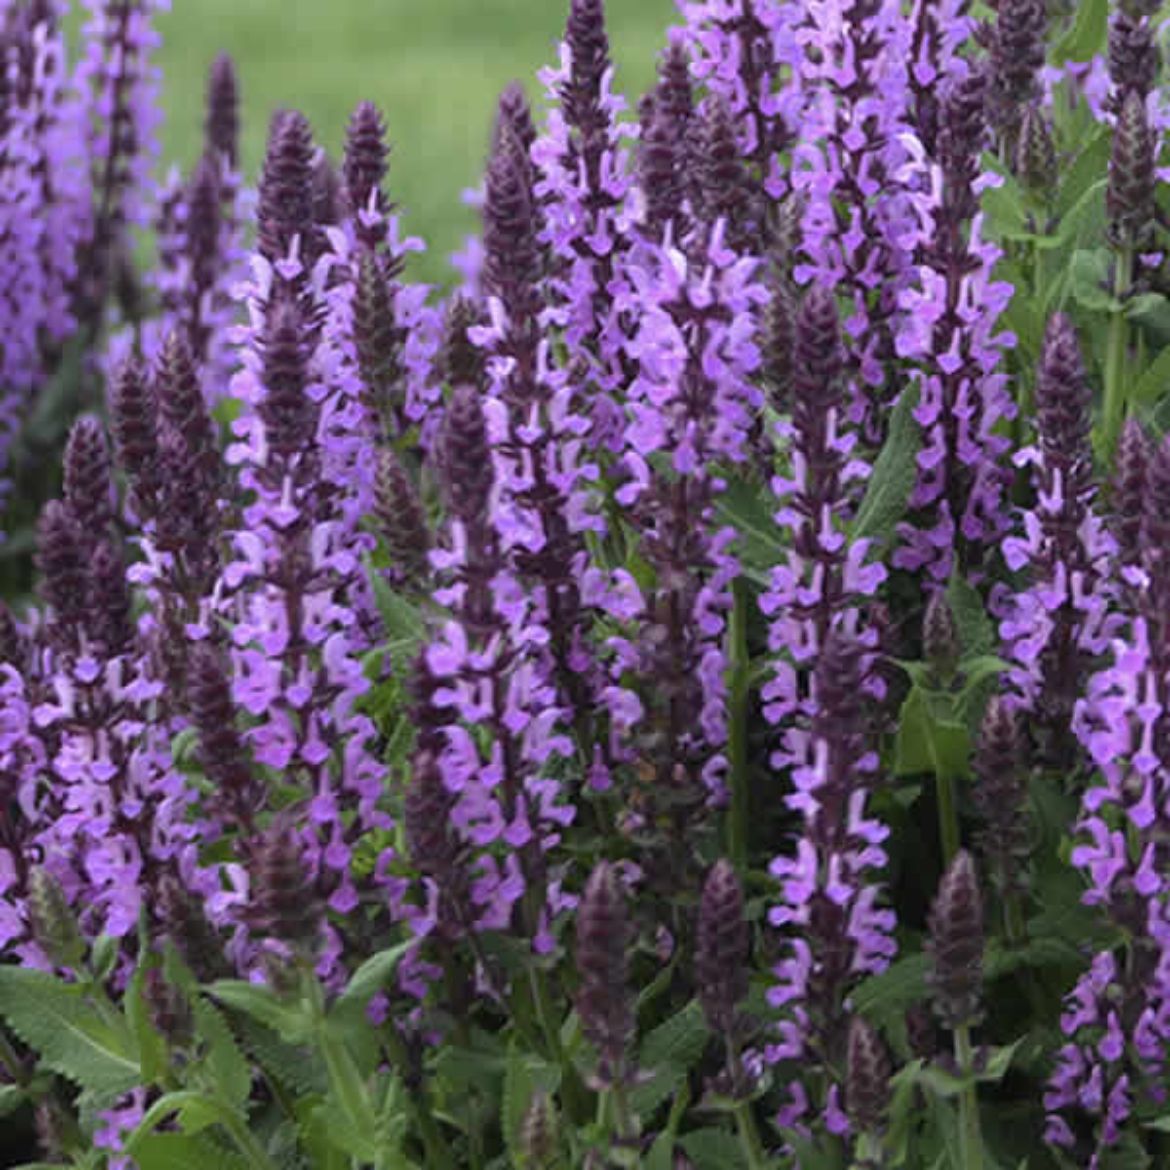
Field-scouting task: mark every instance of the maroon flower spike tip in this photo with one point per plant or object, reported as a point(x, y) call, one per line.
point(11, 642)
point(169, 1009)
point(956, 945)
point(282, 906)
point(377, 337)
point(402, 523)
point(182, 407)
point(1035, 154)
point(940, 637)
point(867, 1083)
point(603, 999)
point(1133, 55)
point(721, 948)
point(465, 461)
point(725, 188)
point(287, 411)
point(222, 127)
point(221, 749)
point(329, 200)
point(61, 563)
point(365, 167)
point(1128, 494)
point(1000, 796)
point(461, 360)
point(88, 486)
point(1064, 406)
point(134, 417)
point(1129, 197)
point(182, 918)
point(660, 168)
point(285, 205)
point(514, 118)
point(108, 620)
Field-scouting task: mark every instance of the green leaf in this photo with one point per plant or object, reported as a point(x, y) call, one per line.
point(976, 633)
point(224, 1060)
point(178, 1151)
point(1089, 281)
point(336, 1126)
point(1084, 181)
point(998, 1063)
point(929, 741)
point(900, 986)
point(194, 1111)
point(405, 628)
point(12, 1097)
point(1087, 35)
point(668, 1054)
point(713, 1149)
point(1155, 382)
point(69, 1033)
point(152, 1047)
point(264, 1005)
point(372, 976)
point(894, 473)
point(748, 508)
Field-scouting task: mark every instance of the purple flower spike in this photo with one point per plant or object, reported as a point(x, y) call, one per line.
point(221, 130)
point(1058, 626)
point(285, 209)
point(721, 948)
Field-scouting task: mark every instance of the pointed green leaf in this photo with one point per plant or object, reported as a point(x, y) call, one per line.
point(894, 473)
point(264, 1005)
point(69, 1033)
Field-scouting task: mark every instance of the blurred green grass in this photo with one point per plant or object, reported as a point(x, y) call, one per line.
point(434, 67)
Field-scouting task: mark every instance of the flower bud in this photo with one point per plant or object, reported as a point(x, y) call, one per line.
point(285, 198)
point(400, 518)
point(1128, 497)
point(461, 361)
point(184, 922)
point(88, 488)
point(378, 339)
point(1035, 155)
point(819, 359)
point(12, 647)
point(288, 413)
point(108, 619)
point(222, 127)
point(281, 904)
point(940, 638)
point(721, 948)
point(169, 1009)
point(364, 170)
point(1129, 197)
point(1000, 796)
point(465, 459)
point(539, 1139)
point(603, 998)
point(134, 414)
point(955, 945)
point(867, 1085)
point(60, 559)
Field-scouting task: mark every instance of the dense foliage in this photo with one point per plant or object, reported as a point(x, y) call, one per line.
point(696, 694)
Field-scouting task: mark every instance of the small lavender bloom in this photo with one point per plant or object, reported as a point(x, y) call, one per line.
point(221, 128)
point(1129, 197)
point(956, 945)
point(721, 948)
point(604, 1002)
point(867, 1082)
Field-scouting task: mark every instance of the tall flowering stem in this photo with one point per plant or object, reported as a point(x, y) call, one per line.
point(487, 669)
point(829, 891)
point(691, 407)
point(1114, 1060)
point(1060, 624)
point(854, 173)
point(949, 334)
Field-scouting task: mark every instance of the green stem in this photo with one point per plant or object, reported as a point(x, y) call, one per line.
point(622, 1127)
point(970, 1137)
point(12, 1062)
point(749, 1136)
point(948, 815)
point(739, 815)
point(1115, 354)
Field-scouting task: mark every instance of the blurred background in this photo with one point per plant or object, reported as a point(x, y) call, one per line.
point(434, 67)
